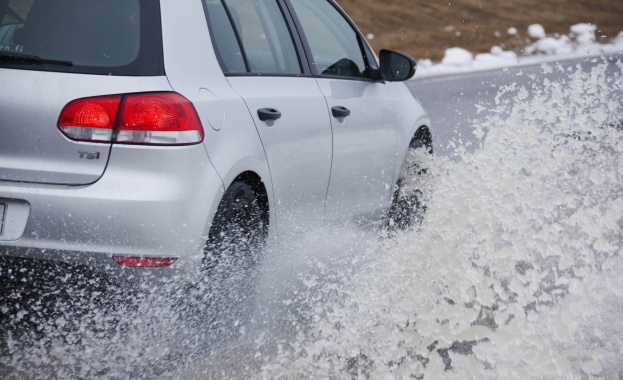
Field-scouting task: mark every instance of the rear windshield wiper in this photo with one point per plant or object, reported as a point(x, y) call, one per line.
point(30, 59)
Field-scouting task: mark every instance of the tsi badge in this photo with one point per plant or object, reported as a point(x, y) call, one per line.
point(89, 155)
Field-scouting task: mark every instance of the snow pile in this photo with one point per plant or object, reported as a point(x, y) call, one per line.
point(584, 33)
point(536, 31)
point(580, 42)
point(457, 57)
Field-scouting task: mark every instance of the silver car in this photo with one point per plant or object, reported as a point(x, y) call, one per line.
point(158, 136)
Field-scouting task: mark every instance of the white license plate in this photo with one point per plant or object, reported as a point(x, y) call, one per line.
point(2, 207)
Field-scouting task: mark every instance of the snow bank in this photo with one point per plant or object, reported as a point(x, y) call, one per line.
point(580, 42)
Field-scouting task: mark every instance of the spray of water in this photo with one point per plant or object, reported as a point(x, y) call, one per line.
point(514, 273)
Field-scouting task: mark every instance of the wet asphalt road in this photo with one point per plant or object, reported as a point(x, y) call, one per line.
point(453, 101)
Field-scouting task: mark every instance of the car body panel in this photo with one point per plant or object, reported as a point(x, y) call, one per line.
point(364, 150)
point(410, 116)
point(298, 145)
point(31, 147)
point(151, 202)
point(231, 139)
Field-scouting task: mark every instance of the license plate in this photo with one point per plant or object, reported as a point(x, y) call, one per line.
point(2, 207)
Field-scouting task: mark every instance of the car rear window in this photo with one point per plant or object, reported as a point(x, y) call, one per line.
point(113, 37)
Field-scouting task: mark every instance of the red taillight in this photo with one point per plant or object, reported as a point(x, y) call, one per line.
point(144, 262)
point(161, 118)
point(164, 118)
point(90, 119)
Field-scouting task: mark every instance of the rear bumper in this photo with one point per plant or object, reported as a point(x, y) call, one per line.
point(150, 202)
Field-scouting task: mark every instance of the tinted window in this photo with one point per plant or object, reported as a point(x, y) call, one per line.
point(333, 42)
point(223, 36)
point(120, 37)
point(266, 42)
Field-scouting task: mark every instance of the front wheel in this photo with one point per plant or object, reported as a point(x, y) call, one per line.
point(408, 208)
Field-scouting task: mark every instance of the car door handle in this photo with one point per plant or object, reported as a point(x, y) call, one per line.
point(268, 114)
point(339, 111)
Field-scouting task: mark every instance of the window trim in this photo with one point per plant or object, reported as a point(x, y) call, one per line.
point(272, 75)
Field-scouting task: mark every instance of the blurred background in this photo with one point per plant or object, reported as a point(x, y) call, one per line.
point(425, 29)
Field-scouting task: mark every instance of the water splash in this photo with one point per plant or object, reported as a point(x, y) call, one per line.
point(514, 272)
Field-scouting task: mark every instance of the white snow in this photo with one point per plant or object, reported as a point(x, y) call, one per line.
point(615, 46)
point(536, 31)
point(584, 33)
point(551, 46)
point(580, 42)
point(457, 57)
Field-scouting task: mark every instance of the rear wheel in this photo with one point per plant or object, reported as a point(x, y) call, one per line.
point(408, 208)
point(232, 254)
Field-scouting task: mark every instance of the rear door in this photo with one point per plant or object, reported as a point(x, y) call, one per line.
point(259, 58)
point(364, 141)
point(55, 51)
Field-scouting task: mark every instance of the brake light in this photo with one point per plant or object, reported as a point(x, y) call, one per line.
point(164, 118)
point(90, 119)
point(144, 262)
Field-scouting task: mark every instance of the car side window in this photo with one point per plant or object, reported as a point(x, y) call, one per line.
point(224, 37)
point(260, 27)
point(333, 42)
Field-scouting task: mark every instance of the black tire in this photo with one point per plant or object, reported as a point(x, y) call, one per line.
point(233, 252)
point(408, 207)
